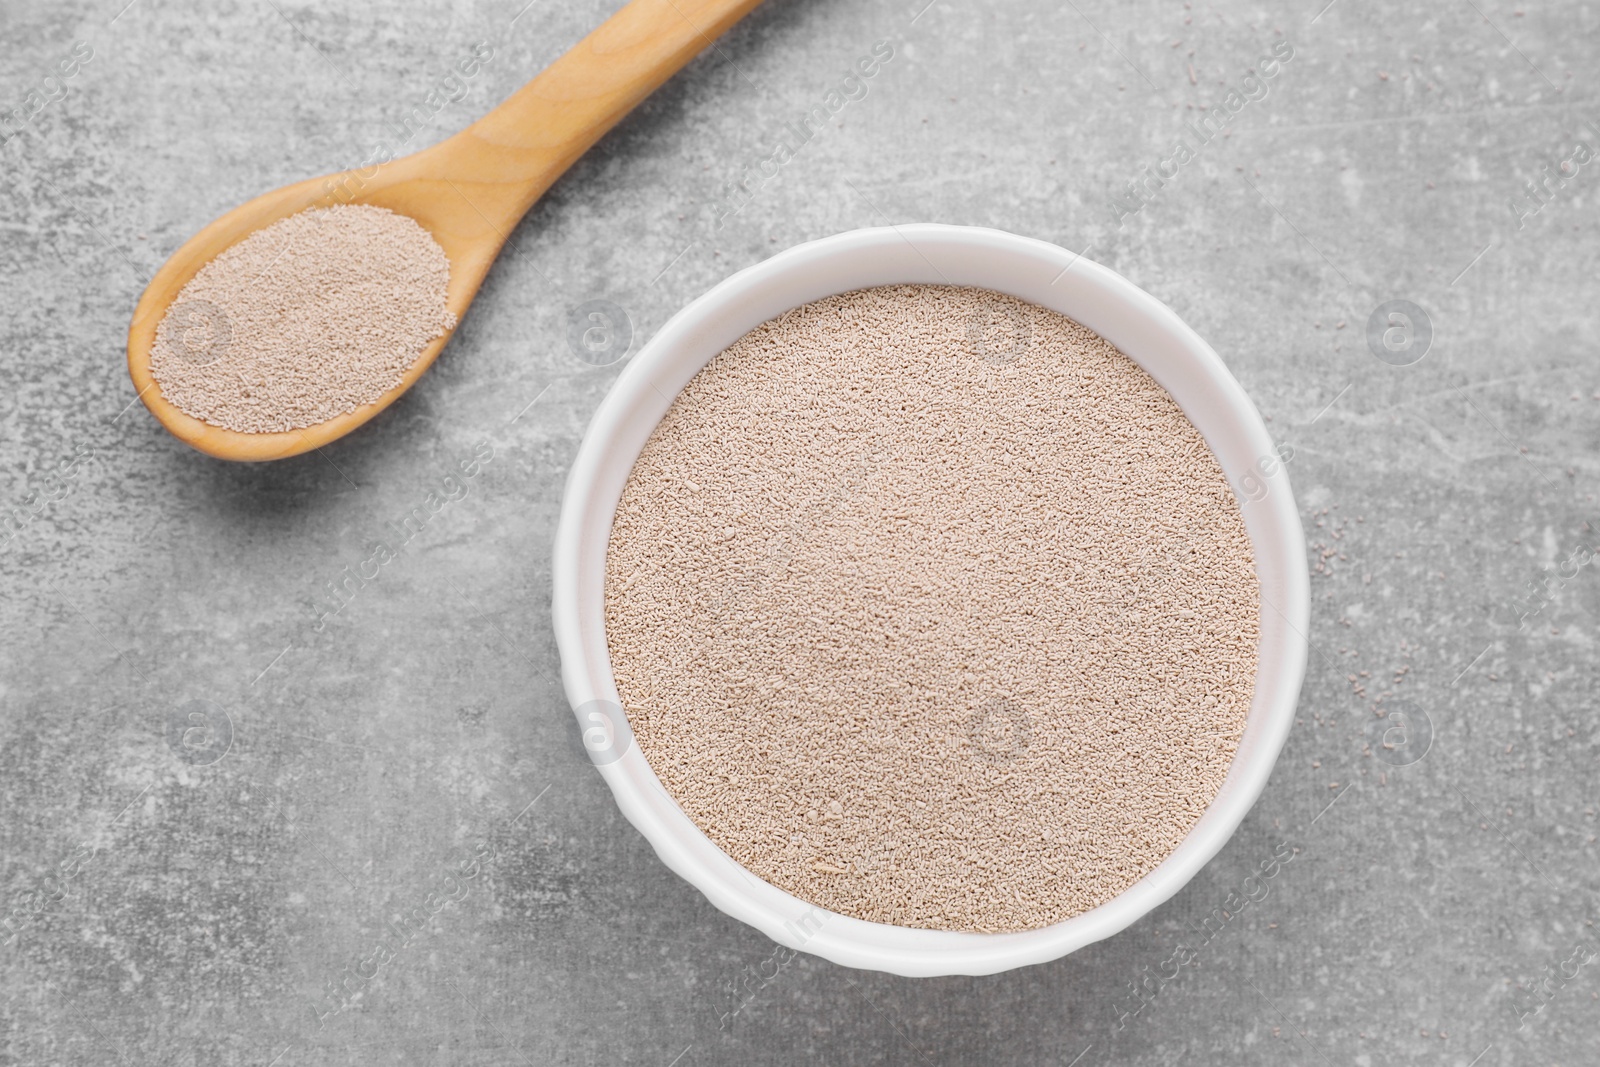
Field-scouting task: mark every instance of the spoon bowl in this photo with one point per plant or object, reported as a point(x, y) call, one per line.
point(468, 191)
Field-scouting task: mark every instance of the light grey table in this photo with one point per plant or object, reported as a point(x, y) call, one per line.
point(167, 902)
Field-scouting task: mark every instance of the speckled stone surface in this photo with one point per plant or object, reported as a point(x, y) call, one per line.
point(248, 820)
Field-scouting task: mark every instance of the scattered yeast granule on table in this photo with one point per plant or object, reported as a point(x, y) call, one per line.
point(932, 608)
point(304, 320)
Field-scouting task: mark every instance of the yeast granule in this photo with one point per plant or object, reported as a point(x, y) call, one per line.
point(932, 608)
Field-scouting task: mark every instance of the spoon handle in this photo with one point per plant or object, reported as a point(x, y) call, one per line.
point(518, 150)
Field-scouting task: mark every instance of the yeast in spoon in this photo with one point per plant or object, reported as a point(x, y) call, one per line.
point(304, 320)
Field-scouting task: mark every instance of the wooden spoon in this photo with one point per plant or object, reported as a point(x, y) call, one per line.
point(469, 192)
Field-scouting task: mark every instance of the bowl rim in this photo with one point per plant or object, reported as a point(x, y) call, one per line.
point(584, 528)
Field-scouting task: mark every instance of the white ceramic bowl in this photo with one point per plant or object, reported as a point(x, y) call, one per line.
point(1135, 322)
